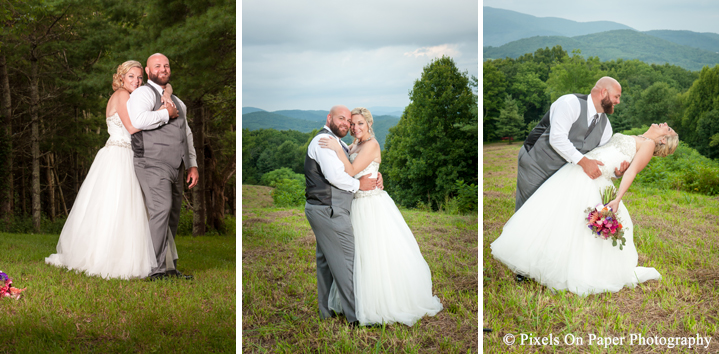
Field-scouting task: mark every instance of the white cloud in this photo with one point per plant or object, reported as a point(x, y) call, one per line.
point(435, 52)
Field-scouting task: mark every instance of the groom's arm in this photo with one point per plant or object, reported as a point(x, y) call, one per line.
point(140, 108)
point(193, 175)
point(562, 115)
point(331, 166)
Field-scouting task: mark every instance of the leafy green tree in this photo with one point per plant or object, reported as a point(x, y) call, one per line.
point(574, 75)
point(529, 91)
point(424, 153)
point(494, 86)
point(510, 122)
point(701, 98)
point(658, 103)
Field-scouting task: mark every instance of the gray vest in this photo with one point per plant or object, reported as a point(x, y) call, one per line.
point(165, 143)
point(539, 149)
point(319, 191)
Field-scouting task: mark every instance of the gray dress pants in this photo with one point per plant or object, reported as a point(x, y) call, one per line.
point(335, 256)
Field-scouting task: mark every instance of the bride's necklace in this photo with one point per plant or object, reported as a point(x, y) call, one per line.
point(362, 141)
point(645, 138)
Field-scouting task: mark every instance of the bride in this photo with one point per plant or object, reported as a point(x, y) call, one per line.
point(548, 240)
point(392, 281)
point(107, 232)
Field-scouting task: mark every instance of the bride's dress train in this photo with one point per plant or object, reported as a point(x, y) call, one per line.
point(392, 281)
point(548, 240)
point(107, 232)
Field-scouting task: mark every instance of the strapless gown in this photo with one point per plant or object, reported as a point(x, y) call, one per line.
point(548, 240)
point(107, 232)
point(393, 282)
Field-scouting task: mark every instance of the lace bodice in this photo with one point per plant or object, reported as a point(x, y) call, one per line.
point(620, 148)
point(119, 136)
point(373, 167)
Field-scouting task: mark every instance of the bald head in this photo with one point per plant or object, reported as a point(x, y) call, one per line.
point(338, 120)
point(155, 57)
point(608, 83)
point(158, 69)
point(606, 94)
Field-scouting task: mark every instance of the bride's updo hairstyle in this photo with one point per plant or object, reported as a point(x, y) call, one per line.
point(664, 150)
point(122, 69)
point(365, 113)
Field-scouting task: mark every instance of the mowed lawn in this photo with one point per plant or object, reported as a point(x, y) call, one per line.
point(675, 232)
point(279, 286)
point(67, 312)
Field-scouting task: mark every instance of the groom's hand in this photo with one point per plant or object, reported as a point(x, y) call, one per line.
point(367, 183)
point(193, 175)
point(591, 167)
point(380, 182)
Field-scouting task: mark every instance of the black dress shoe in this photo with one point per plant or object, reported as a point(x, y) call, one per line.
point(176, 273)
point(353, 325)
point(520, 278)
point(158, 276)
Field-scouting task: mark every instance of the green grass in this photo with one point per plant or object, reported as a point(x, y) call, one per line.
point(63, 311)
point(279, 286)
point(675, 232)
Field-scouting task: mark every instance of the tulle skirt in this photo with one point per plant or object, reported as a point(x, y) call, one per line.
point(548, 240)
point(107, 231)
point(393, 282)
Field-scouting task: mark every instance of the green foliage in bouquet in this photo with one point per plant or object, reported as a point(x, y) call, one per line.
point(604, 222)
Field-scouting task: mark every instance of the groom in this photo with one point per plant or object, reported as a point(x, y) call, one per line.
point(329, 193)
point(574, 125)
point(163, 148)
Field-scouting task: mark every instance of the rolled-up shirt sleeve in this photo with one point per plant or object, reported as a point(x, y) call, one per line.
point(563, 113)
point(140, 106)
point(332, 168)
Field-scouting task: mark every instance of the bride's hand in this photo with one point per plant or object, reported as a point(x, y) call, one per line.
point(614, 205)
point(330, 143)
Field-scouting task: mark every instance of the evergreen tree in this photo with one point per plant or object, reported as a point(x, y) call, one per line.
point(510, 123)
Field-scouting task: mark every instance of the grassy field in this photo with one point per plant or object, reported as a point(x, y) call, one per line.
point(675, 232)
point(66, 312)
point(279, 286)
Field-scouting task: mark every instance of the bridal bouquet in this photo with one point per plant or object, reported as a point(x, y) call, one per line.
point(7, 290)
point(604, 222)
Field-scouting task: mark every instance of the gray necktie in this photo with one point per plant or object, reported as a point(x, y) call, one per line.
point(592, 125)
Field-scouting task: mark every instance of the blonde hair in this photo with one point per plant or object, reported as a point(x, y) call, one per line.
point(122, 69)
point(664, 150)
point(365, 113)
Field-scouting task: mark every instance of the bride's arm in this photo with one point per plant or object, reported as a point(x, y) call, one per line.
point(641, 159)
point(122, 98)
point(363, 159)
point(167, 96)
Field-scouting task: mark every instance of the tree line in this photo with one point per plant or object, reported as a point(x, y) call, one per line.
point(517, 93)
point(57, 58)
point(429, 159)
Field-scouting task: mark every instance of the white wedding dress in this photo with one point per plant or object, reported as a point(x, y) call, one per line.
point(107, 232)
point(548, 239)
point(392, 281)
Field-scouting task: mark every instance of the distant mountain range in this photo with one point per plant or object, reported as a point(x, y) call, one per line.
point(518, 34)
point(503, 26)
point(305, 121)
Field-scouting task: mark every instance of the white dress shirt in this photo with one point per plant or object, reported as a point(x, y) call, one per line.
point(562, 115)
point(331, 165)
point(142, 117)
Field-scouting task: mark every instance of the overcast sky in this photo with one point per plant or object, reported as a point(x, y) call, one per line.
point(642, 15)
point(313, 54)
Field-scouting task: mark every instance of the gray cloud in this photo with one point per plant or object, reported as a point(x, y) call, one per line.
point(312, 55)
